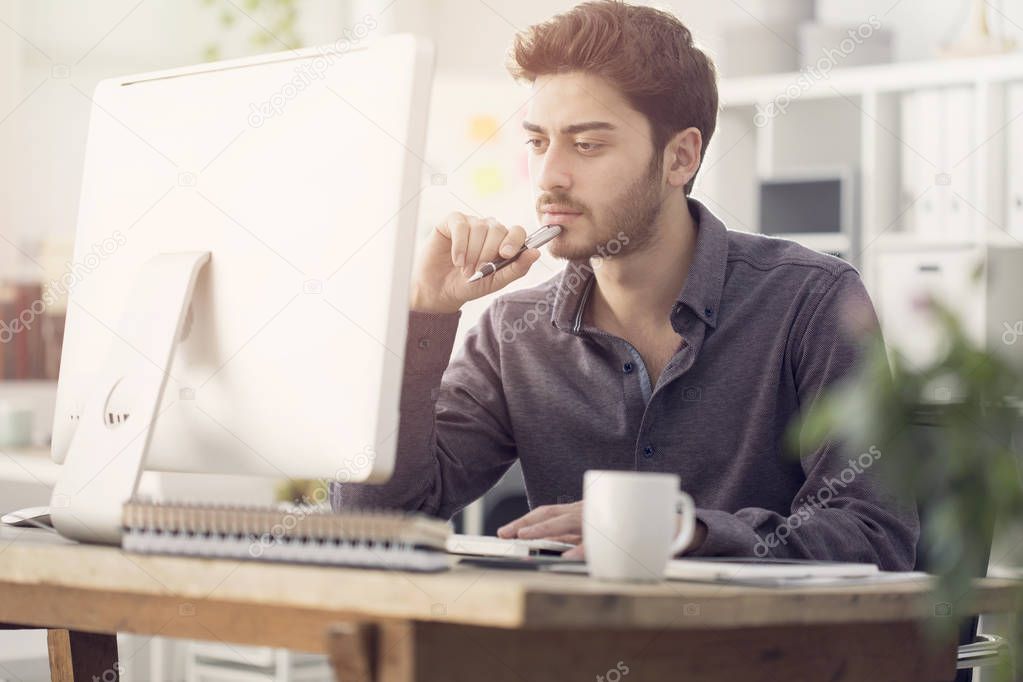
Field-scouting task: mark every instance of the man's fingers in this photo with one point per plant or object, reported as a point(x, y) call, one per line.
point(577, 553)
point(520, 267)
point(571, 538)
point(539, 514)
point(456, 228)
point(477, 235)
point(513, 241)
point(495, 235)
point(559, 525)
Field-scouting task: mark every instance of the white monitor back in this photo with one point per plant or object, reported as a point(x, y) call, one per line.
point(299, 173)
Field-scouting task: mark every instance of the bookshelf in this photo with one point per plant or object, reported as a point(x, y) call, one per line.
point(860, 118)
point(31, 332)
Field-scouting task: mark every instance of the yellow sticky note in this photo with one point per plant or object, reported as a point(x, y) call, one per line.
point(482, 127)
point(487, 180)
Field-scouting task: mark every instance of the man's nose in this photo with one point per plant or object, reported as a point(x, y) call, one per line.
point(555, 173)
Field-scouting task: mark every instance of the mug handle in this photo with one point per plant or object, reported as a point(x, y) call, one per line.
point(685, 535)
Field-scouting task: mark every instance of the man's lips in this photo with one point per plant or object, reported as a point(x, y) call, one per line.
point(555, 214)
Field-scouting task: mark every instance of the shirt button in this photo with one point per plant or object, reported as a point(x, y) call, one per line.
point(709, 312)
point(648, 451)
point(424, 343)
point(627, 368)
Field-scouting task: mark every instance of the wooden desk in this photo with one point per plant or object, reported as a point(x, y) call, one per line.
point(471, 623)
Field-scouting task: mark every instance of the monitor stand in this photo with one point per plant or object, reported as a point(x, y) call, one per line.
point(107, 452)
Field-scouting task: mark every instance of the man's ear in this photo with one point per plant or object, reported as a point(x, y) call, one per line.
point(683, 154)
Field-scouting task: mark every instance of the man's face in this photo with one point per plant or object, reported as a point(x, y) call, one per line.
point(592, 166)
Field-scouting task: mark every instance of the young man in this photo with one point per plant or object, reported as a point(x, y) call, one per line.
point(669, 343)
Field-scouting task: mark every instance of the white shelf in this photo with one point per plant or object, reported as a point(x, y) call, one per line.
point(28, 385)
point(900, 240)
point(879, 78)
point(821, 241)
point(859, 118)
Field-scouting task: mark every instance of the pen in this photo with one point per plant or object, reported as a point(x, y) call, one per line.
point(533, 241)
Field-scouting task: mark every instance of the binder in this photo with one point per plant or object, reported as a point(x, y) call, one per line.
point(938, 164)
point(921, 163)
point(9, 331)
point(958, 199)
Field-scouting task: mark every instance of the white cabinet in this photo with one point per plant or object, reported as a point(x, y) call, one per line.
point(979, 283)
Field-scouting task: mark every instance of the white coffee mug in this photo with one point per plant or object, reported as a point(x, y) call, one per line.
point(629, 523)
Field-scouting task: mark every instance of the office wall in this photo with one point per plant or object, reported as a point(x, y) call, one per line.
point(473, 91)
point(473, 36)
point(53, 52)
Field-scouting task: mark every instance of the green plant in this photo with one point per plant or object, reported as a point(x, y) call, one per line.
point(963, 471)
point(270, 23)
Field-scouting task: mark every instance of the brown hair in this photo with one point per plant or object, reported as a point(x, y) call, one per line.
point(646, 53)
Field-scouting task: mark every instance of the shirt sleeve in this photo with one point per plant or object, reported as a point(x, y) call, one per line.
point(843, 512)
point(454, 439)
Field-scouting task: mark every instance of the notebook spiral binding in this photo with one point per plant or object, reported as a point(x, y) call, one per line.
point(365, 538)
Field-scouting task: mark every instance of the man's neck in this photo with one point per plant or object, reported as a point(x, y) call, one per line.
point(638, 289)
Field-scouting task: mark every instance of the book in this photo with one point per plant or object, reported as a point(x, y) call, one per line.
point(10, 327)
point(53, 341)
point(369, 539)
point(28, 343)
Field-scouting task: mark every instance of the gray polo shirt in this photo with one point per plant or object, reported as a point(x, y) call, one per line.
point(761, 332)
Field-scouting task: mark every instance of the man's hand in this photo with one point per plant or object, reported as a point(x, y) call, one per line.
point(455, 250)
point(564, 523)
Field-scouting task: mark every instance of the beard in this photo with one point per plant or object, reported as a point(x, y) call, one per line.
point(627, 226)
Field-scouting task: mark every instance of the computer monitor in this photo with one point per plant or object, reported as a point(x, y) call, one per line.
point(243, 254)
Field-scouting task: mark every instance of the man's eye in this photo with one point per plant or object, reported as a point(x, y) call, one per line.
point(534, 142)
point(588, 146)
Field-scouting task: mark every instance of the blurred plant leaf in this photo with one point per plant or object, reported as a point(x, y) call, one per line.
point(268, 22)
point(964, 470)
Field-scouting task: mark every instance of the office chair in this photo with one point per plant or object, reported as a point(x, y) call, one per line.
point(975, 650)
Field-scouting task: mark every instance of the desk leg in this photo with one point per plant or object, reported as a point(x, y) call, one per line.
point(82, 656)
point(414, 651)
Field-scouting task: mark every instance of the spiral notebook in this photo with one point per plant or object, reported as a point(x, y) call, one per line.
point(368, 539)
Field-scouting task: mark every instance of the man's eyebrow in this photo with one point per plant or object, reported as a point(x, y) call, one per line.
point(572, 129)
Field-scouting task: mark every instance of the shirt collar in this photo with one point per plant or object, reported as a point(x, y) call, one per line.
point(701, 292)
